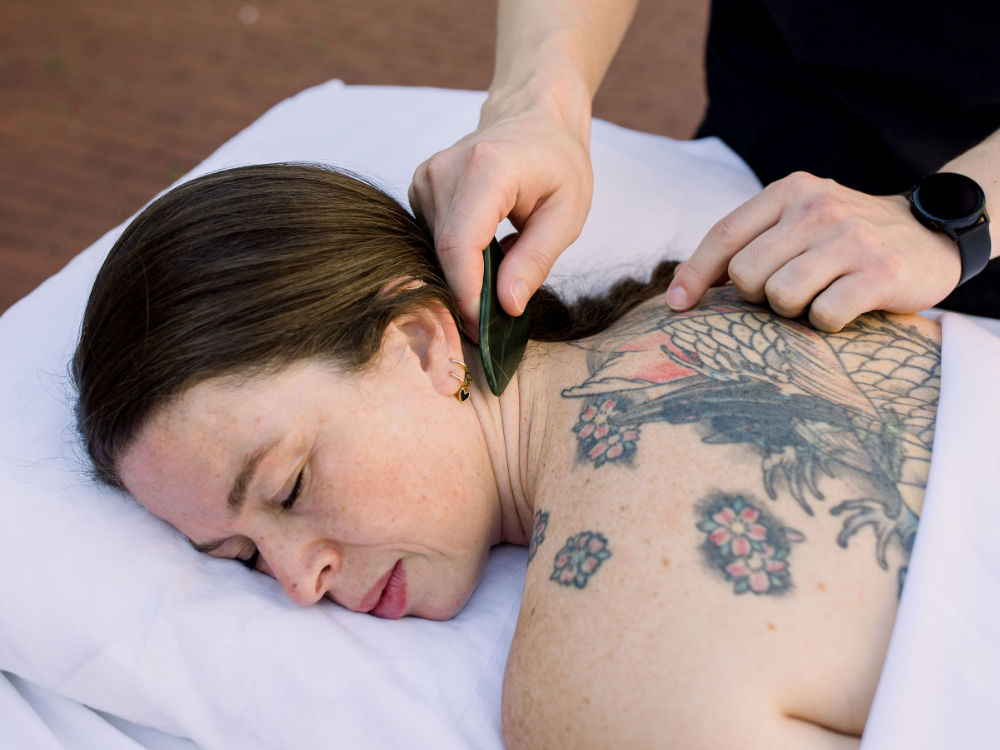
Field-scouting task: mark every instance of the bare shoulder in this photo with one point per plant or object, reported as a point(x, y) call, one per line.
point(723, 531)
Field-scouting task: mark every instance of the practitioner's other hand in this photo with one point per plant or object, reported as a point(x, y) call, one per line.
point(809, 244)
point(526, 163)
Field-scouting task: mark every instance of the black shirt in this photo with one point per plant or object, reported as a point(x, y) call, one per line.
point(874, 95)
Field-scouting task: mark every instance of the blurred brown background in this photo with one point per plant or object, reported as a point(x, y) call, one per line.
point(104, 103)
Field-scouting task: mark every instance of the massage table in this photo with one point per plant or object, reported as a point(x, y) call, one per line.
point(115, 633)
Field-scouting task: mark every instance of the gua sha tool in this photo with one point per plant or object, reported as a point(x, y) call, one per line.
point(502, 337)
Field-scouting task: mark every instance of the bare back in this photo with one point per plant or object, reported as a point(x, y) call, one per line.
point(724, 515)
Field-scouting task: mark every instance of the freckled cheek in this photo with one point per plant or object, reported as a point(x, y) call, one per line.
point(377, 495)
point(362, 507)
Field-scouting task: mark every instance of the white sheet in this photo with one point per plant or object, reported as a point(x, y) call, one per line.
point(939, 687)
point(107, 606)
point(33, 718)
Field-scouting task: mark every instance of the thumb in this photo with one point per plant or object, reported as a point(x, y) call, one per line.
point(530, 256)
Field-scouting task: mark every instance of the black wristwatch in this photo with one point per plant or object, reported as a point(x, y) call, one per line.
point(956, 205)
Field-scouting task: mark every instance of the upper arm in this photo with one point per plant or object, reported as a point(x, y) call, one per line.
point(609, 655)
point(553, 705)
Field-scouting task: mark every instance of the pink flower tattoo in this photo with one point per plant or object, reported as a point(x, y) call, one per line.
point(747, 544)
point(579, 559)
point(601, 440)
point(538, 527)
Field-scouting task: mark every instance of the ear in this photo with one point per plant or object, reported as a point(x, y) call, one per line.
point(430, 334)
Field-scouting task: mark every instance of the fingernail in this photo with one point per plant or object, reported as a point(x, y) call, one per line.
point(519, 291)
point(677, 298)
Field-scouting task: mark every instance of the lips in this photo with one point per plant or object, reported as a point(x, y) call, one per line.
point(375, 593)
point(391, 603)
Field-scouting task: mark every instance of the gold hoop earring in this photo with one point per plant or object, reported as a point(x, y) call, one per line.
point(462, 394)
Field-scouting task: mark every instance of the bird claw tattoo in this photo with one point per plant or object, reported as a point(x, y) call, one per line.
point(798, 466)
point(888, 523)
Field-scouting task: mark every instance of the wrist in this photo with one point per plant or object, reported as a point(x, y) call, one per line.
point(561, 99)
point(982, 164)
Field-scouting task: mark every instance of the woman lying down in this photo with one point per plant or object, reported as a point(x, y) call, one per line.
point(719, 505)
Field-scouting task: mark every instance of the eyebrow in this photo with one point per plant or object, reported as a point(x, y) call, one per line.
point(238, 492)
point(237, 496)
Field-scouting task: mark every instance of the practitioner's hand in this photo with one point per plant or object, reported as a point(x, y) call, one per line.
point(531, 166)
point(805, 243)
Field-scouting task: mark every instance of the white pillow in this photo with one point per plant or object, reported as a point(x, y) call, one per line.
point(105, 604)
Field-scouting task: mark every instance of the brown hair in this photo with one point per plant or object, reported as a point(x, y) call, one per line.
point(251, 269)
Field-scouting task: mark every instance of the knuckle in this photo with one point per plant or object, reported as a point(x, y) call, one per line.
point(435, 170)
point(800, 181)
point(484, 155)
point(741, 273)
point(739, 269)
point(888, 266)
point(536, 264)
point(827, 208)
point(805, 186)
point(782, 297)
point(447, 246)
point(824, 317)
point(723, 232)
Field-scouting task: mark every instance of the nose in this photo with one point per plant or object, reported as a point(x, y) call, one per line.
point(304, 572)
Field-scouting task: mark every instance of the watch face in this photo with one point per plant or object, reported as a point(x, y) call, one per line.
point(949, 197)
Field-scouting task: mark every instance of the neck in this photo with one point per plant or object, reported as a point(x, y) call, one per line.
point(512, 426)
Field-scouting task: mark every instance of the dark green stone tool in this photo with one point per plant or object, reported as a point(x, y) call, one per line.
point(502, 337)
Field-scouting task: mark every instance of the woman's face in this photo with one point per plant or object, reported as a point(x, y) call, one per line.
point(372, 489)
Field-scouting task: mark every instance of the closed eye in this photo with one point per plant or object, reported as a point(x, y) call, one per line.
point(289, 501)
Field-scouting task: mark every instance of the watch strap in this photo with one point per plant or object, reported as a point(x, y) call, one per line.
point(974, 247)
